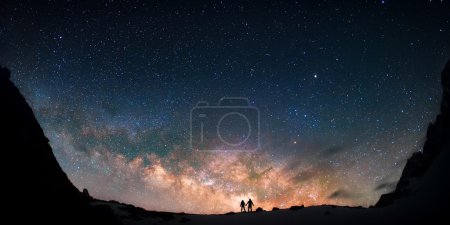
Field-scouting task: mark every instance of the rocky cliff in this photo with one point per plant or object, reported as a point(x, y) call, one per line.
point(33, 182)
point(437, 141)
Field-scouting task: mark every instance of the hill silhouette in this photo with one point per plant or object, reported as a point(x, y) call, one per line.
point(34, 181)
point(438, 134)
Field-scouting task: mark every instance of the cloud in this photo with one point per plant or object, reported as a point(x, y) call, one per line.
point(303, 176)
point(341, 194)
point(333, 150)
point(389, 186)
point(79, 146)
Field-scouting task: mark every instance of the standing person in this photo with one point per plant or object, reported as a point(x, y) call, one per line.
point(242, 205)
point(250, 204)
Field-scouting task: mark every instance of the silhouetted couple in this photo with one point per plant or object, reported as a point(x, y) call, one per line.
point(249, 205)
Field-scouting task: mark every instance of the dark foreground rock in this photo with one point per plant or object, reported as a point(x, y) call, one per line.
point(437, 140)
point(32, 177)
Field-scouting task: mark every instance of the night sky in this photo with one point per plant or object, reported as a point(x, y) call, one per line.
point(345, 91)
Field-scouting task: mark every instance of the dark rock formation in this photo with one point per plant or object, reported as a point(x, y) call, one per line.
point(275, 209)
point(33, 179)
point(86, 195)
point(259, 209)
point(297, 207)
point(437, 140)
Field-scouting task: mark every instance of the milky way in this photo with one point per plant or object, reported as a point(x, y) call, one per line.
point(344, 90)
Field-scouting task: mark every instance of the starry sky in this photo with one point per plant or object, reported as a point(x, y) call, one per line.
point(345, 91)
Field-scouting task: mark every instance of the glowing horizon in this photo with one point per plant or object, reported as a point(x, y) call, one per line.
point(214, 182)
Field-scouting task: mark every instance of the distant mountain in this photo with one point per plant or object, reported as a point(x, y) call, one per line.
point(33, 182)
